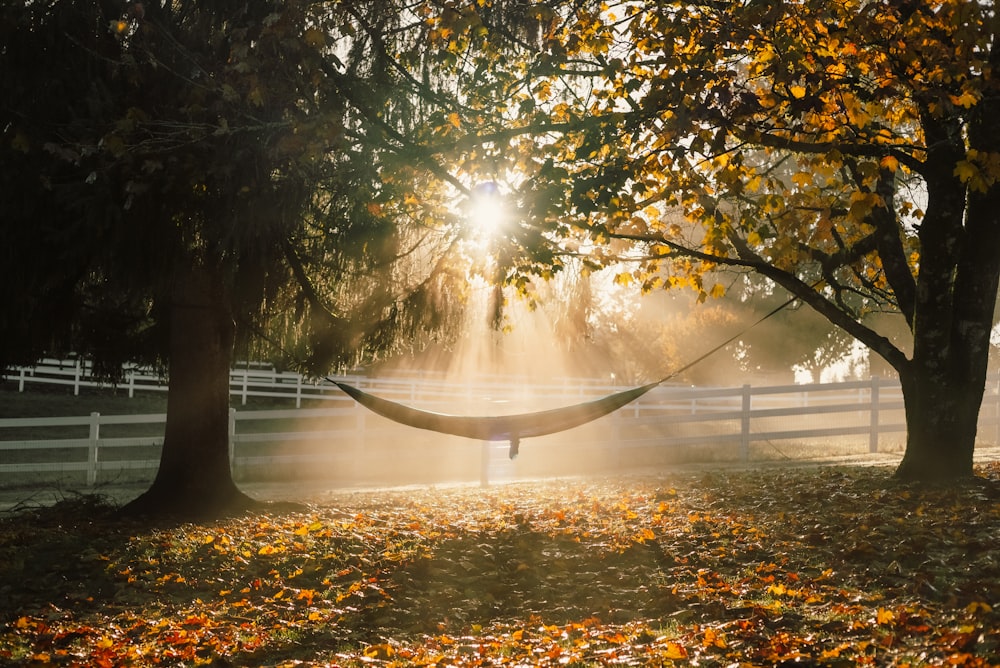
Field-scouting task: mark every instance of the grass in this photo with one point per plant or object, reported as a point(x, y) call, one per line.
point(804, 566)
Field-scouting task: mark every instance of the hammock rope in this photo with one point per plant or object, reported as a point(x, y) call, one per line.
point(513, 428)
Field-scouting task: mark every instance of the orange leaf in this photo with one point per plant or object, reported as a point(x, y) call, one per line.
point(884, 617)
point(889, 162)
point(675, 651)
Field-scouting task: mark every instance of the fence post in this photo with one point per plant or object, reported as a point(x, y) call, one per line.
point(360, 462)
point(246, 378)
point(996, 415)
point(20, 385)
point(76, 380)
point(484, 463)
point(232, 439)
point(615, 420)
point(131, 384)
point(745, 426)
point(298, 390)
point(95, 435)
point(873, 428)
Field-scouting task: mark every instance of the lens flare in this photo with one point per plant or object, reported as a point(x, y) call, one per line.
point(487, 212)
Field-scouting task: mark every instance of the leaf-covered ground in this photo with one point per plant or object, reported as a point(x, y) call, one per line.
point(826, 566)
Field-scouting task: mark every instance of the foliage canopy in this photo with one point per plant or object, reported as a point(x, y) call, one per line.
point(843, 150)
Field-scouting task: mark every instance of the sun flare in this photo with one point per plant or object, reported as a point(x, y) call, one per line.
point(487, 212)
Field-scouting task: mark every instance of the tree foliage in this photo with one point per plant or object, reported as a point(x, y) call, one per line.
point(200, 178)
point(266, 140)
point(842, 150)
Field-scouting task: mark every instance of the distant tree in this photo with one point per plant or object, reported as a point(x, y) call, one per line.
point(185, 180)
point(847, 151)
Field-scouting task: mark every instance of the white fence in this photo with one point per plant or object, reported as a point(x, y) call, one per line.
point(252, 380)
point(343, 439)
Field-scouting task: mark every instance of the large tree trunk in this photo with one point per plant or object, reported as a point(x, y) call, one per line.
point(941, 421)
point(194, 478)
point(944, 382)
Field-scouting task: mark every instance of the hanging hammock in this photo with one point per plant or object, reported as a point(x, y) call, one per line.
point(502, 427)
point(524, 425)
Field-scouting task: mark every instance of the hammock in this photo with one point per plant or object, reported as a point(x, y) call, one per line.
point(500, 428)
point(525, 425)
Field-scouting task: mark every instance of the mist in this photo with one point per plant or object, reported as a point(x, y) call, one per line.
point(579, 337)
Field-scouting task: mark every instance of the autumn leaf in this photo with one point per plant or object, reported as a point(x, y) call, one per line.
point(674, 650)
point(744, 565)
point(966, 170)
point(889, 162)
point(884, 617)
point(966, 99)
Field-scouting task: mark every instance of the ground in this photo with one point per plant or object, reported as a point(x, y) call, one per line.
point(806, 565)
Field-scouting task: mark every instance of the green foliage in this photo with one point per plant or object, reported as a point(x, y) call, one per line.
point(814, 566)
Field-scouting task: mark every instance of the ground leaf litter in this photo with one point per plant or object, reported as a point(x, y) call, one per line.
point(797, 566)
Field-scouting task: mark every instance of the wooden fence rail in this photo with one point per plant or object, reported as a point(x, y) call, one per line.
point(248, 381)
point(343, 437)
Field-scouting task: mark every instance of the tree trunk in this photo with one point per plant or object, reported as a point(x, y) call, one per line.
point(944, 383)
point(941, 421)
point(194, 479)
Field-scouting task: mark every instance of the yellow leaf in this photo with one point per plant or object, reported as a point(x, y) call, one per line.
point(965, 170)
point(884, 617)
point(454, 120)
point(966, 100)
point(713, 638)
point(798, 92)
point(644, 535)
point(978, 606)
point(802, 179)
point(889, 162)
point(383, 651)
point(675, 651)
point(270, 549)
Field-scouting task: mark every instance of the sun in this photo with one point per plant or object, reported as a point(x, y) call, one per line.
point(487, 212)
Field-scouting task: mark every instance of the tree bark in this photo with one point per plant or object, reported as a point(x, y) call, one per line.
point(941, 422)
point(194, 479)
point(944, 382)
